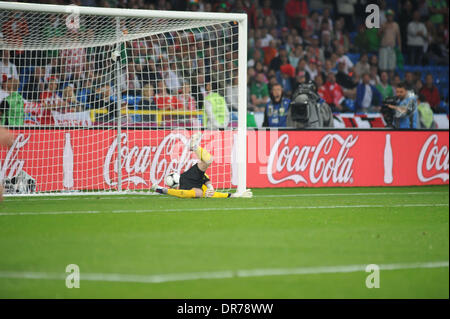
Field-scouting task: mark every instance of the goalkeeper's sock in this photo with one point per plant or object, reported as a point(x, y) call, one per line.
point(221, 195)
point(182, 193)
point(203, 155)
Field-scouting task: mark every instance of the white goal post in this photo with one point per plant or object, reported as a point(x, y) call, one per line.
point(104, 100)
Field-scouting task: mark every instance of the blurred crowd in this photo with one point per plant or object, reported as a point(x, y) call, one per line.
point(290, 42)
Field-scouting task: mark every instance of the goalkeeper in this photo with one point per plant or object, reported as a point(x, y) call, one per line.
point(194, 182)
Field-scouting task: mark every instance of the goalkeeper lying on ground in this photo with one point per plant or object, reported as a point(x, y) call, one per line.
point(194, 182)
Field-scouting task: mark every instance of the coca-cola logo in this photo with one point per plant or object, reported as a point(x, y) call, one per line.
point(12, 165)
point(432, 157)
point(322, 166)
point(162, 159)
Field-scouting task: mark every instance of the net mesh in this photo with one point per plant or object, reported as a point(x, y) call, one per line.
point(83, 93)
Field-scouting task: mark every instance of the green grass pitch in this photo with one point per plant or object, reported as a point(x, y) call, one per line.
point(282, 243)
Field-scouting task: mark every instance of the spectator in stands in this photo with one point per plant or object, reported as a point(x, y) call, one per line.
point(373, 60)
point(425, 112)
point(321, 89)
point(277, 108)
point(297, 12)
point(51, 98)
point(406, 114)
point(170, 76)
point(6, 66)
point(259, 92)
point(339, 35)
point(317, 51)
point(147, 103)
point(409, 81)
point(384, 87)
point(149, 72)
point(348, 64)
point(335, 94)
point(431, 93)
point(74, 59)
point(327, 68)
point(32, 89)
point(368, 98)
point(418, 86)
point(11, 104)
point(186, 101)
point(390, 40)
point(270, 52)
point(346, 82)
point(296, 54)
point(70, 100)
point(396, 81)
point(105, 99)
point(417, 39)
point(302, 77)
point(286, 78)
point(374, 78)
point(312, 69)
point(362, 66)
point(279, 60)
point(163, 98)
point(130, 83)
point(258, 56)
point(325, 20)
point(216, 113)
point(327, 45)
point(313, 22)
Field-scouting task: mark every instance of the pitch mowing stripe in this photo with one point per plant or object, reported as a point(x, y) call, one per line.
point(59, 197)
point(162, 278)
point(163, 210)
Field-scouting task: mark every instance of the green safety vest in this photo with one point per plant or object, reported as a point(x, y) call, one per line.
point(218, 108)
point(15, 114)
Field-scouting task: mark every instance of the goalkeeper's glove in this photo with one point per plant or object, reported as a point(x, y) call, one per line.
point(209, 190)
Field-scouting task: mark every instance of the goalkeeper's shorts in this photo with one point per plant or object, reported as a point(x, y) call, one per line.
point(193, 178)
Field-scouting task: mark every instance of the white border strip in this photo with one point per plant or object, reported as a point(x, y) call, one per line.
point(162, 278)
point(207, 209)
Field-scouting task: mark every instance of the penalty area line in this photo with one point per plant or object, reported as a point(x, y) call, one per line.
point(227, 274)
point(206, 209)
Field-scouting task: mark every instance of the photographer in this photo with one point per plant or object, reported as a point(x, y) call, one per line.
point(406, 115)
point(308, 109)
point(277, 108)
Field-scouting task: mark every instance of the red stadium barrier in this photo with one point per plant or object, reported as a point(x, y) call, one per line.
point(348, 158)
point(275, 158)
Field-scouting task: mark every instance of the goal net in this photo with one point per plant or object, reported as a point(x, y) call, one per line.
point(105, 100)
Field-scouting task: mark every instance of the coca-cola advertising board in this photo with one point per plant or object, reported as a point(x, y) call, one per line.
point(79, 159)
point(347, 158)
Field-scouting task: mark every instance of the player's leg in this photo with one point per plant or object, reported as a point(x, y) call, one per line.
point(181, 193)
point(205, 157)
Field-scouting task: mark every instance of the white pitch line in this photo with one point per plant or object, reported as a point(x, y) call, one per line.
point(142, 196)
point(163, 210)
point(161, 278)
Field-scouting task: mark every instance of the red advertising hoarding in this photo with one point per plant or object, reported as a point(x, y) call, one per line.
point(82, 159)
point(347, 158)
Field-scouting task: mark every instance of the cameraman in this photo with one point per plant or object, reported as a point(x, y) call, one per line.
point(277, 108)
point(405, 115)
